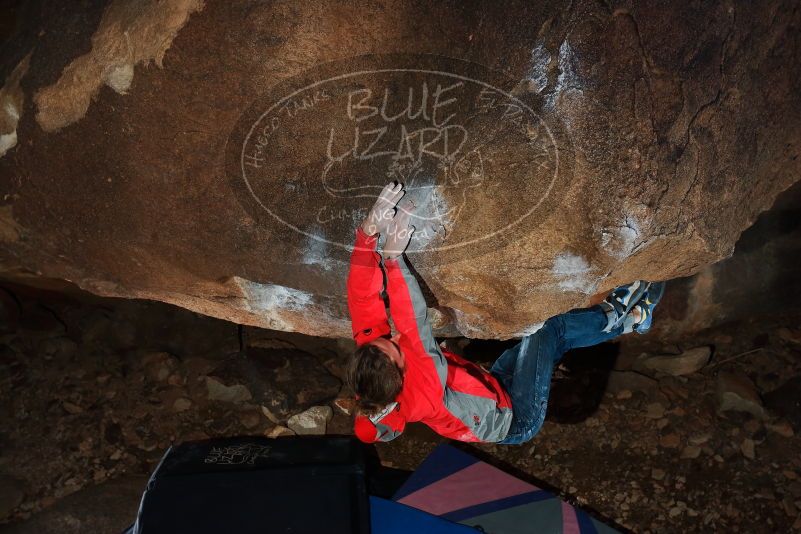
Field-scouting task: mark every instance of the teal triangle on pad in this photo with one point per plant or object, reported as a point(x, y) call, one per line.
point(542, 517)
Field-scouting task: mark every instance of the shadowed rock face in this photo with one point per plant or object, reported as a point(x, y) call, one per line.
point(760, 280)
point(220, 156)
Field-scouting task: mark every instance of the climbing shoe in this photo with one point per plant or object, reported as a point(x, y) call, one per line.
point(646, 307)
point(620, 302)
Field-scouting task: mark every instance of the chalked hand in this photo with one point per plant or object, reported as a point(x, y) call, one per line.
point(383, 210)
point(399, 232)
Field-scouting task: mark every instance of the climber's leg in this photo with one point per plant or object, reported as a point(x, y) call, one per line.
point(525, 370)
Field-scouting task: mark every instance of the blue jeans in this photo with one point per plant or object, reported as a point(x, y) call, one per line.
point(525, 369)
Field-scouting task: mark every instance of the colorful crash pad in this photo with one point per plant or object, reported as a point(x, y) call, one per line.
point(460, 488)
point(388, 517)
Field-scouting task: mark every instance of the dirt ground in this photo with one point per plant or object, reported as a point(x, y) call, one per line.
point(94, 390)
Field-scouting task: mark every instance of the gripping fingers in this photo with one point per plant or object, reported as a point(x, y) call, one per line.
point(392, 193)
point(383, 211)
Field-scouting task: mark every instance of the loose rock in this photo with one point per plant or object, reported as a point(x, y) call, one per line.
point(685, 363)
point(691, 452)
point(670, 441)
point(278, 431)
point(218, 391)
point(791, 336)
point(311, 422)
point(654, 411)
point(629, 380)
point(159, 365)
point(747, 447)
point(71, 408)
point(737, 393)
point(699, 439)
point(781, 428)
point(345, 404)
point(181, 404)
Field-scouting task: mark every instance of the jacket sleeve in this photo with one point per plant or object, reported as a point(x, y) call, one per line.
point(384, 426)
point(410, 315)
point(365, 281)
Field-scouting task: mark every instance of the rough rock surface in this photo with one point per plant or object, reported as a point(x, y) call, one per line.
point(686, 363)
point(12, 491)
point(607, 143)
point(107, 507)
point(760, 279)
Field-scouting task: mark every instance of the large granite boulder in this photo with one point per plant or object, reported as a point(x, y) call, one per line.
point(219, 155)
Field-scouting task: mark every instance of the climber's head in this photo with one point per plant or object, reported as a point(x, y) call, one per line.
point(375, 373)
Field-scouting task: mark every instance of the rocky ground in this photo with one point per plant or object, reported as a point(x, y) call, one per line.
point(702, 437)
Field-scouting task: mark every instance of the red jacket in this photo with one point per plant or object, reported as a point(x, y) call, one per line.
point(456, 398)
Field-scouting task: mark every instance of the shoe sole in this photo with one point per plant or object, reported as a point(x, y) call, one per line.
point(660, 291)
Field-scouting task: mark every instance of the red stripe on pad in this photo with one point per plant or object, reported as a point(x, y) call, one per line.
point(475, 484)
point(570, 523)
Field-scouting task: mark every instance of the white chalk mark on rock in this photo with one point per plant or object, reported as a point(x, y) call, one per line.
point(574, 273)
point(623, 240)
point(537, 75)
point(315, 251)
point(119, 77)
point(568, 79)
point(268, 297)
point(280, 306)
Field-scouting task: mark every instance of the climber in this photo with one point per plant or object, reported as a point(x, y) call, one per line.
point(408, 377)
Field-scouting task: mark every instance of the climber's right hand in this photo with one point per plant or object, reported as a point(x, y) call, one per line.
point(383, 210)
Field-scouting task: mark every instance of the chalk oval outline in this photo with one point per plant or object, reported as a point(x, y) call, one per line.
point(405, 70)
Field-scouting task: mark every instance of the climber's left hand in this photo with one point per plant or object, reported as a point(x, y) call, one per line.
point(399, 232)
